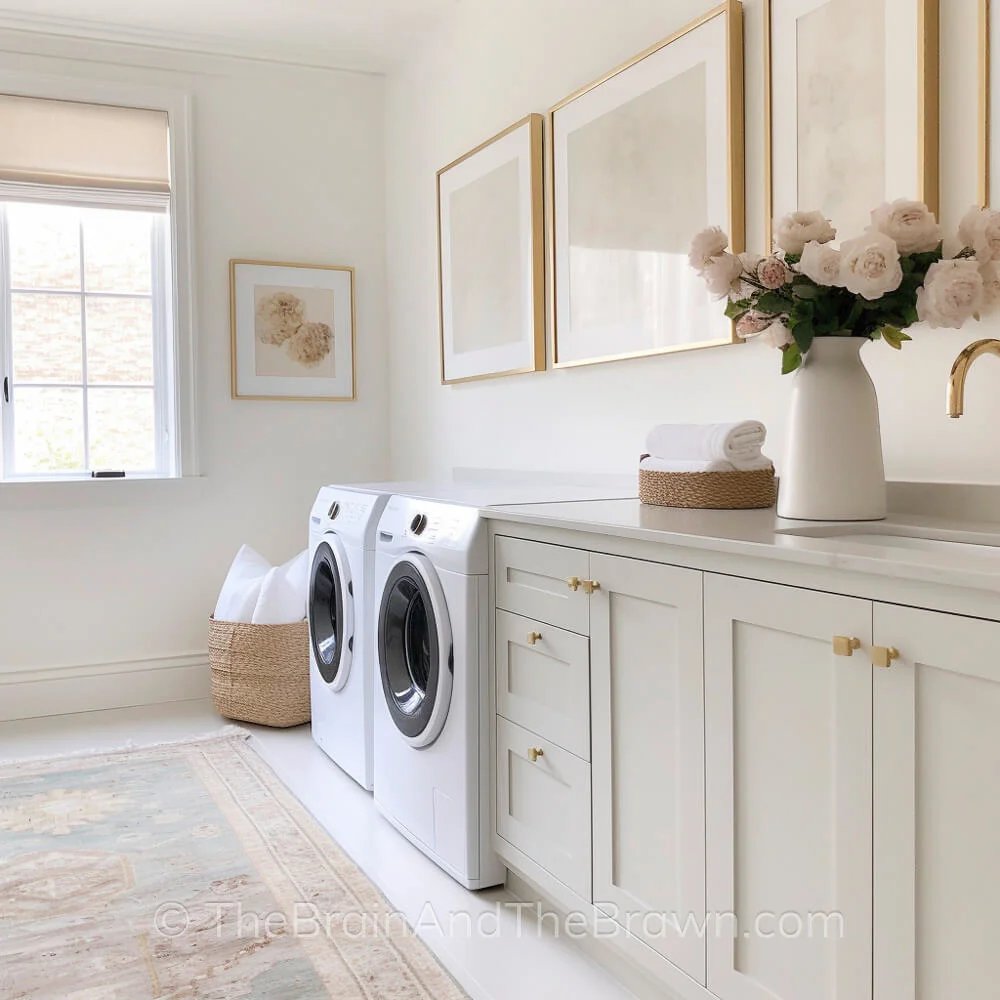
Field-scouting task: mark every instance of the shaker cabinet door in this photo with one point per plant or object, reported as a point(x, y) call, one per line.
point(788, 793)
point(937, 809)
point(647, 706)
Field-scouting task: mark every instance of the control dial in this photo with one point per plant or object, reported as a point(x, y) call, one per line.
point(333, 511)
point(418, 524)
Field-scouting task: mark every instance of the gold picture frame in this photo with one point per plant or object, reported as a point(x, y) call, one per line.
point(732, 217)
point(326, 354)
point(986, 103)
point(927, 67)
point(491, 202)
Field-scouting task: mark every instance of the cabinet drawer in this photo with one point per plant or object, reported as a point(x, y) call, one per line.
point(531, 580)
point(543, 680)
point(543, 806)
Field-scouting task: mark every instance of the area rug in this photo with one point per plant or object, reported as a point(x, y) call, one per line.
point(188, 871)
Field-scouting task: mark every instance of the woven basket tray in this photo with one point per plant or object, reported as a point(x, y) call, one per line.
point(713, 490)
point(260, 673)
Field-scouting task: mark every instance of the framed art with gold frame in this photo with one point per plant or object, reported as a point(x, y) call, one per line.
point(640, 161)
point(491, 257)
point(852, 106)
point(292, 330)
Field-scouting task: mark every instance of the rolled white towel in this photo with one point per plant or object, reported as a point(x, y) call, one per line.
point(739, 443)
point(653, 464)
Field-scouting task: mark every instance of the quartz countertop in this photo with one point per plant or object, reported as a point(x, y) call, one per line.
point(974, 562)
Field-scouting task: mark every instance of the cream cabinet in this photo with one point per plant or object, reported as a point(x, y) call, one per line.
point(775, 793)
point(543, 804)
point(788, 793)
point(647, 714)
point(937, 809)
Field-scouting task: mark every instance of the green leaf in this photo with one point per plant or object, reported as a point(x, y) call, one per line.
point(805, 290)
point(773, 303)
point(735, 310)
point(791, 358)
point(894, 337)
point(804, 332)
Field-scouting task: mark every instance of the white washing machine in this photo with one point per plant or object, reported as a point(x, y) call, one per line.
point(432, 705)
point(342, 529)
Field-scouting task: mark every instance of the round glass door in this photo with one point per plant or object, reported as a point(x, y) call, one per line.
point(331, 613)
point(414, 655)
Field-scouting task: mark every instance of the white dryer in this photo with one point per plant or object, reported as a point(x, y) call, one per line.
point(342, 529)
point(432, 705)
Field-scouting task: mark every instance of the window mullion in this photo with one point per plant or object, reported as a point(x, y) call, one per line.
point(6, 354)
point(83, 353)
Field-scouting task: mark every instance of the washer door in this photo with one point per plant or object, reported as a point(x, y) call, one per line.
point(416, 656)
point(331, 611)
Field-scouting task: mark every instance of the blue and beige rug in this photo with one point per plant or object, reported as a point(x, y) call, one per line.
point(184, 872)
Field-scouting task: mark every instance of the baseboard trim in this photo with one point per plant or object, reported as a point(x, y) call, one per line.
point(31, 693)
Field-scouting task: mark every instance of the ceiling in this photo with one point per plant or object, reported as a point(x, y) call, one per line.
point(354, 34)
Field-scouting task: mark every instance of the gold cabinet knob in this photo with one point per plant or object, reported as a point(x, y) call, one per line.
point(573, 583)
point(534, 753)
point(589, 586)
point(533, 637)
point(844, 645)
point(882, 656)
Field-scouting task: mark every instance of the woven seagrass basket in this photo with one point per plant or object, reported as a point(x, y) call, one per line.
point(712, 490)
point(260, 673)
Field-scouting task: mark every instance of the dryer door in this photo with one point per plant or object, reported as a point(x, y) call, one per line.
point(331, 611)
point(416, 655)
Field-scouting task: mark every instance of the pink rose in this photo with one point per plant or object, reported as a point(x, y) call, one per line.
point(772, 272)
point(752, 323)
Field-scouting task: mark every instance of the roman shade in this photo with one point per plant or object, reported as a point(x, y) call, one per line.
point(67, 143)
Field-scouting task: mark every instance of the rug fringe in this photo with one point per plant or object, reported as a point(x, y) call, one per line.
point(224, 733)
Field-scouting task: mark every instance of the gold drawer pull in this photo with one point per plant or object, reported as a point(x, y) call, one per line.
point(882, 656)
point(573, 583)
point(844, 645)
point(533, 637)
point(534, 753)
point(589, 586)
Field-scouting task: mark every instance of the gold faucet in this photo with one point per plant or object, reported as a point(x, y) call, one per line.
point(960, 369)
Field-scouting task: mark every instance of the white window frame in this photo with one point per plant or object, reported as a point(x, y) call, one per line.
point(176, 355)
point(165, 451)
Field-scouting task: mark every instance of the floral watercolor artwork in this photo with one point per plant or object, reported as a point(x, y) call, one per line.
point(293, 330)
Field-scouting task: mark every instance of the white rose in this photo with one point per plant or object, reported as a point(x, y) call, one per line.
point(990, 272)
point(910, 224)
point(967, 227)
point(706, 246)
point(986, 235)
point(799, 228)
point(952, 293)
point(869, 265)
point(777, 335)
point(722, 275)
point(821, 263)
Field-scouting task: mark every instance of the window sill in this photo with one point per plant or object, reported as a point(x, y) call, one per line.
point(68, 494)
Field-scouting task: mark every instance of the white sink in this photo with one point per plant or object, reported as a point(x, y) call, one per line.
point(905, 536)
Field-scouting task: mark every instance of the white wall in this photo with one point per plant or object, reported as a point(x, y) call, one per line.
point(498, 60)
point(289, 165)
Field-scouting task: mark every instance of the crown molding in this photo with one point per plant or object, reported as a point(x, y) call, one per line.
point(343, 60)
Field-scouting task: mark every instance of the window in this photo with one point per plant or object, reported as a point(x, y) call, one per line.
point(87, 334)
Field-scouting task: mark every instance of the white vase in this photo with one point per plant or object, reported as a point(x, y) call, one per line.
point(833, 467)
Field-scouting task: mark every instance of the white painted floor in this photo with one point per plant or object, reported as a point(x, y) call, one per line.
point(499, 963)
